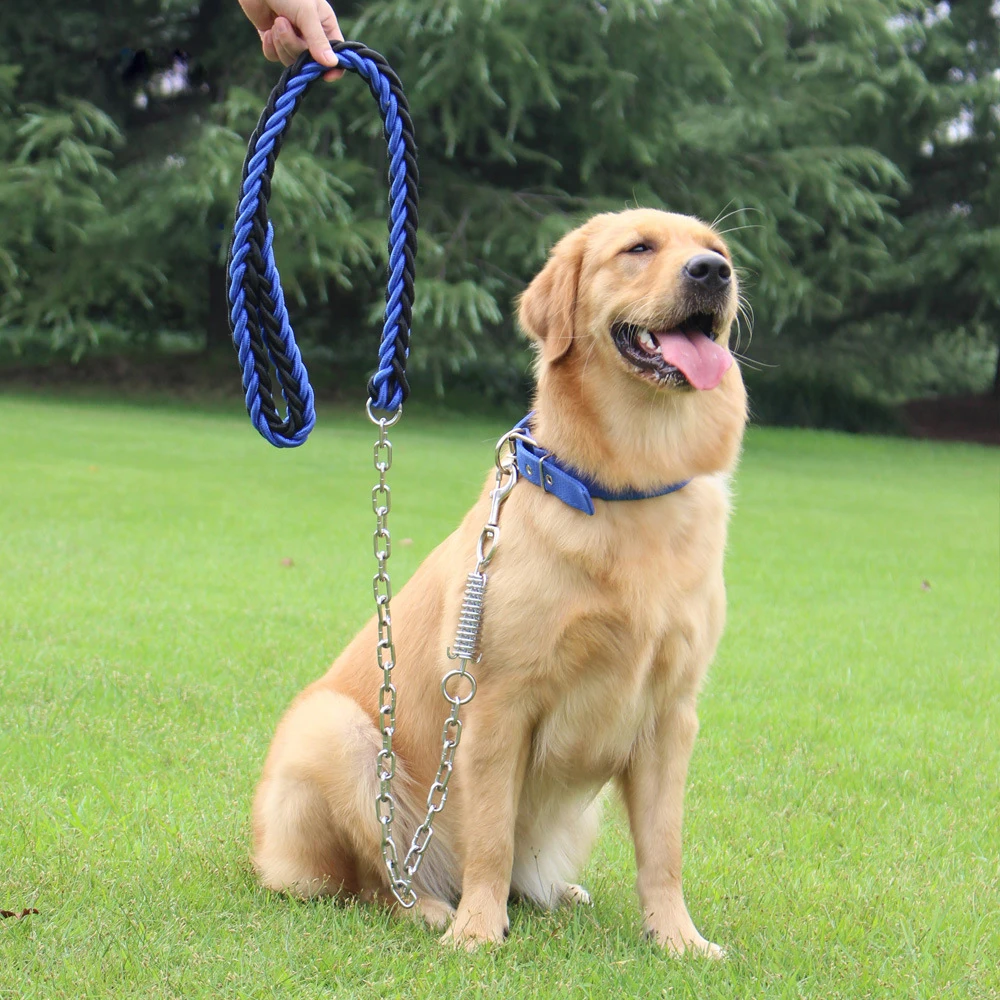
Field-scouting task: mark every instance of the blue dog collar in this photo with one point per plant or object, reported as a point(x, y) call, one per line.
point(578, 491)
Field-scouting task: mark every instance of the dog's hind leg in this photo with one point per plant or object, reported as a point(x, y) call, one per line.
point(315, 829)
point(552, 853)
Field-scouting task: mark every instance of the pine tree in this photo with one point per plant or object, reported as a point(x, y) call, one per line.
point(848, 149)
point(940, 289)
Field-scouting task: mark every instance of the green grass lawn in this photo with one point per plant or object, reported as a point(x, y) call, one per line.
point(843, 821)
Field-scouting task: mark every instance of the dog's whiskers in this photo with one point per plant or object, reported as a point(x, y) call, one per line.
point(738, 229)
point(736, 211)
point(745, 310)
point(722, 218)
point(757, 366)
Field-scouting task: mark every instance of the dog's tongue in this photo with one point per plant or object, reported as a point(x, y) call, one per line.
point(702, 361)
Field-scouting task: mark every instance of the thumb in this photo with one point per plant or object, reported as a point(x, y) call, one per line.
point(315, 36)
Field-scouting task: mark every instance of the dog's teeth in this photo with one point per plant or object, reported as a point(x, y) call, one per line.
point(646, 339)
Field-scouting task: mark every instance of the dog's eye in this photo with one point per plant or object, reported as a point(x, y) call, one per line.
point(639, 248)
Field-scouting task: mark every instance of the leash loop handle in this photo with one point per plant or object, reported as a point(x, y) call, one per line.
point(258, 317)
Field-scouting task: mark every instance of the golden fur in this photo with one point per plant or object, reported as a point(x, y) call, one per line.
point(597, 634)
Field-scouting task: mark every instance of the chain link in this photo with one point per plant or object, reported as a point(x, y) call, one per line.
point(458, 686)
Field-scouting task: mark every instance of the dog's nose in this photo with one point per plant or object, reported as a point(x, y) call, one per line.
point(710, 270)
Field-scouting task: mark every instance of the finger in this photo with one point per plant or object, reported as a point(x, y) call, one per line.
point(331, 29)
point(312, 27)
point(331, 26)
point(286, 42)
point(260, 13)
point(267, 44)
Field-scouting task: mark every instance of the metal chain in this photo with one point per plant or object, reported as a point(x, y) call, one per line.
point(458, 685)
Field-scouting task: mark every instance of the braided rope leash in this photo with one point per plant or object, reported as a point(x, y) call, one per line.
point(258, 318)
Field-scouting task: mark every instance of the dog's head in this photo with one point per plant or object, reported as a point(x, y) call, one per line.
point(632, 314)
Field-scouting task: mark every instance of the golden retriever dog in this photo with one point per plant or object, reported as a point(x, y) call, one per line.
point(597, 631)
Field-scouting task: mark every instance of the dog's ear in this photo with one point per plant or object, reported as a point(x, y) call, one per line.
point(547, 308)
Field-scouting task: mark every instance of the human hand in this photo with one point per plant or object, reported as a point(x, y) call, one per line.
point(288, 28)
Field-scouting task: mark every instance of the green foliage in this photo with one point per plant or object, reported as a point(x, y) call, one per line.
point(848, 150)
point(929, 318)
point(61, 246)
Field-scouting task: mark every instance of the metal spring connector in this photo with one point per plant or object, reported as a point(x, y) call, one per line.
point(470, 619)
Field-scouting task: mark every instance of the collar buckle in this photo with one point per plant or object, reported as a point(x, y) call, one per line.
point(544, 479)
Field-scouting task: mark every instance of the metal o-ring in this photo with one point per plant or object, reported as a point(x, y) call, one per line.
point(455, 699)
point(389, 421)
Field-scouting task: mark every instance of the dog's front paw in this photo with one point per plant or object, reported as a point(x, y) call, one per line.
point(678, 942)
point(669, 924)
point(470, 930)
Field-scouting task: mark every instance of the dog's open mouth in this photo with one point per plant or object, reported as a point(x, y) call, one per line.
point(683, 355)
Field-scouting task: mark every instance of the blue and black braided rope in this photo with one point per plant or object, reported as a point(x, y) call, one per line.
point(258, 319)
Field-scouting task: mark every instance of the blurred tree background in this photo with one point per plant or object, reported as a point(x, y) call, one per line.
point(848, 148)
